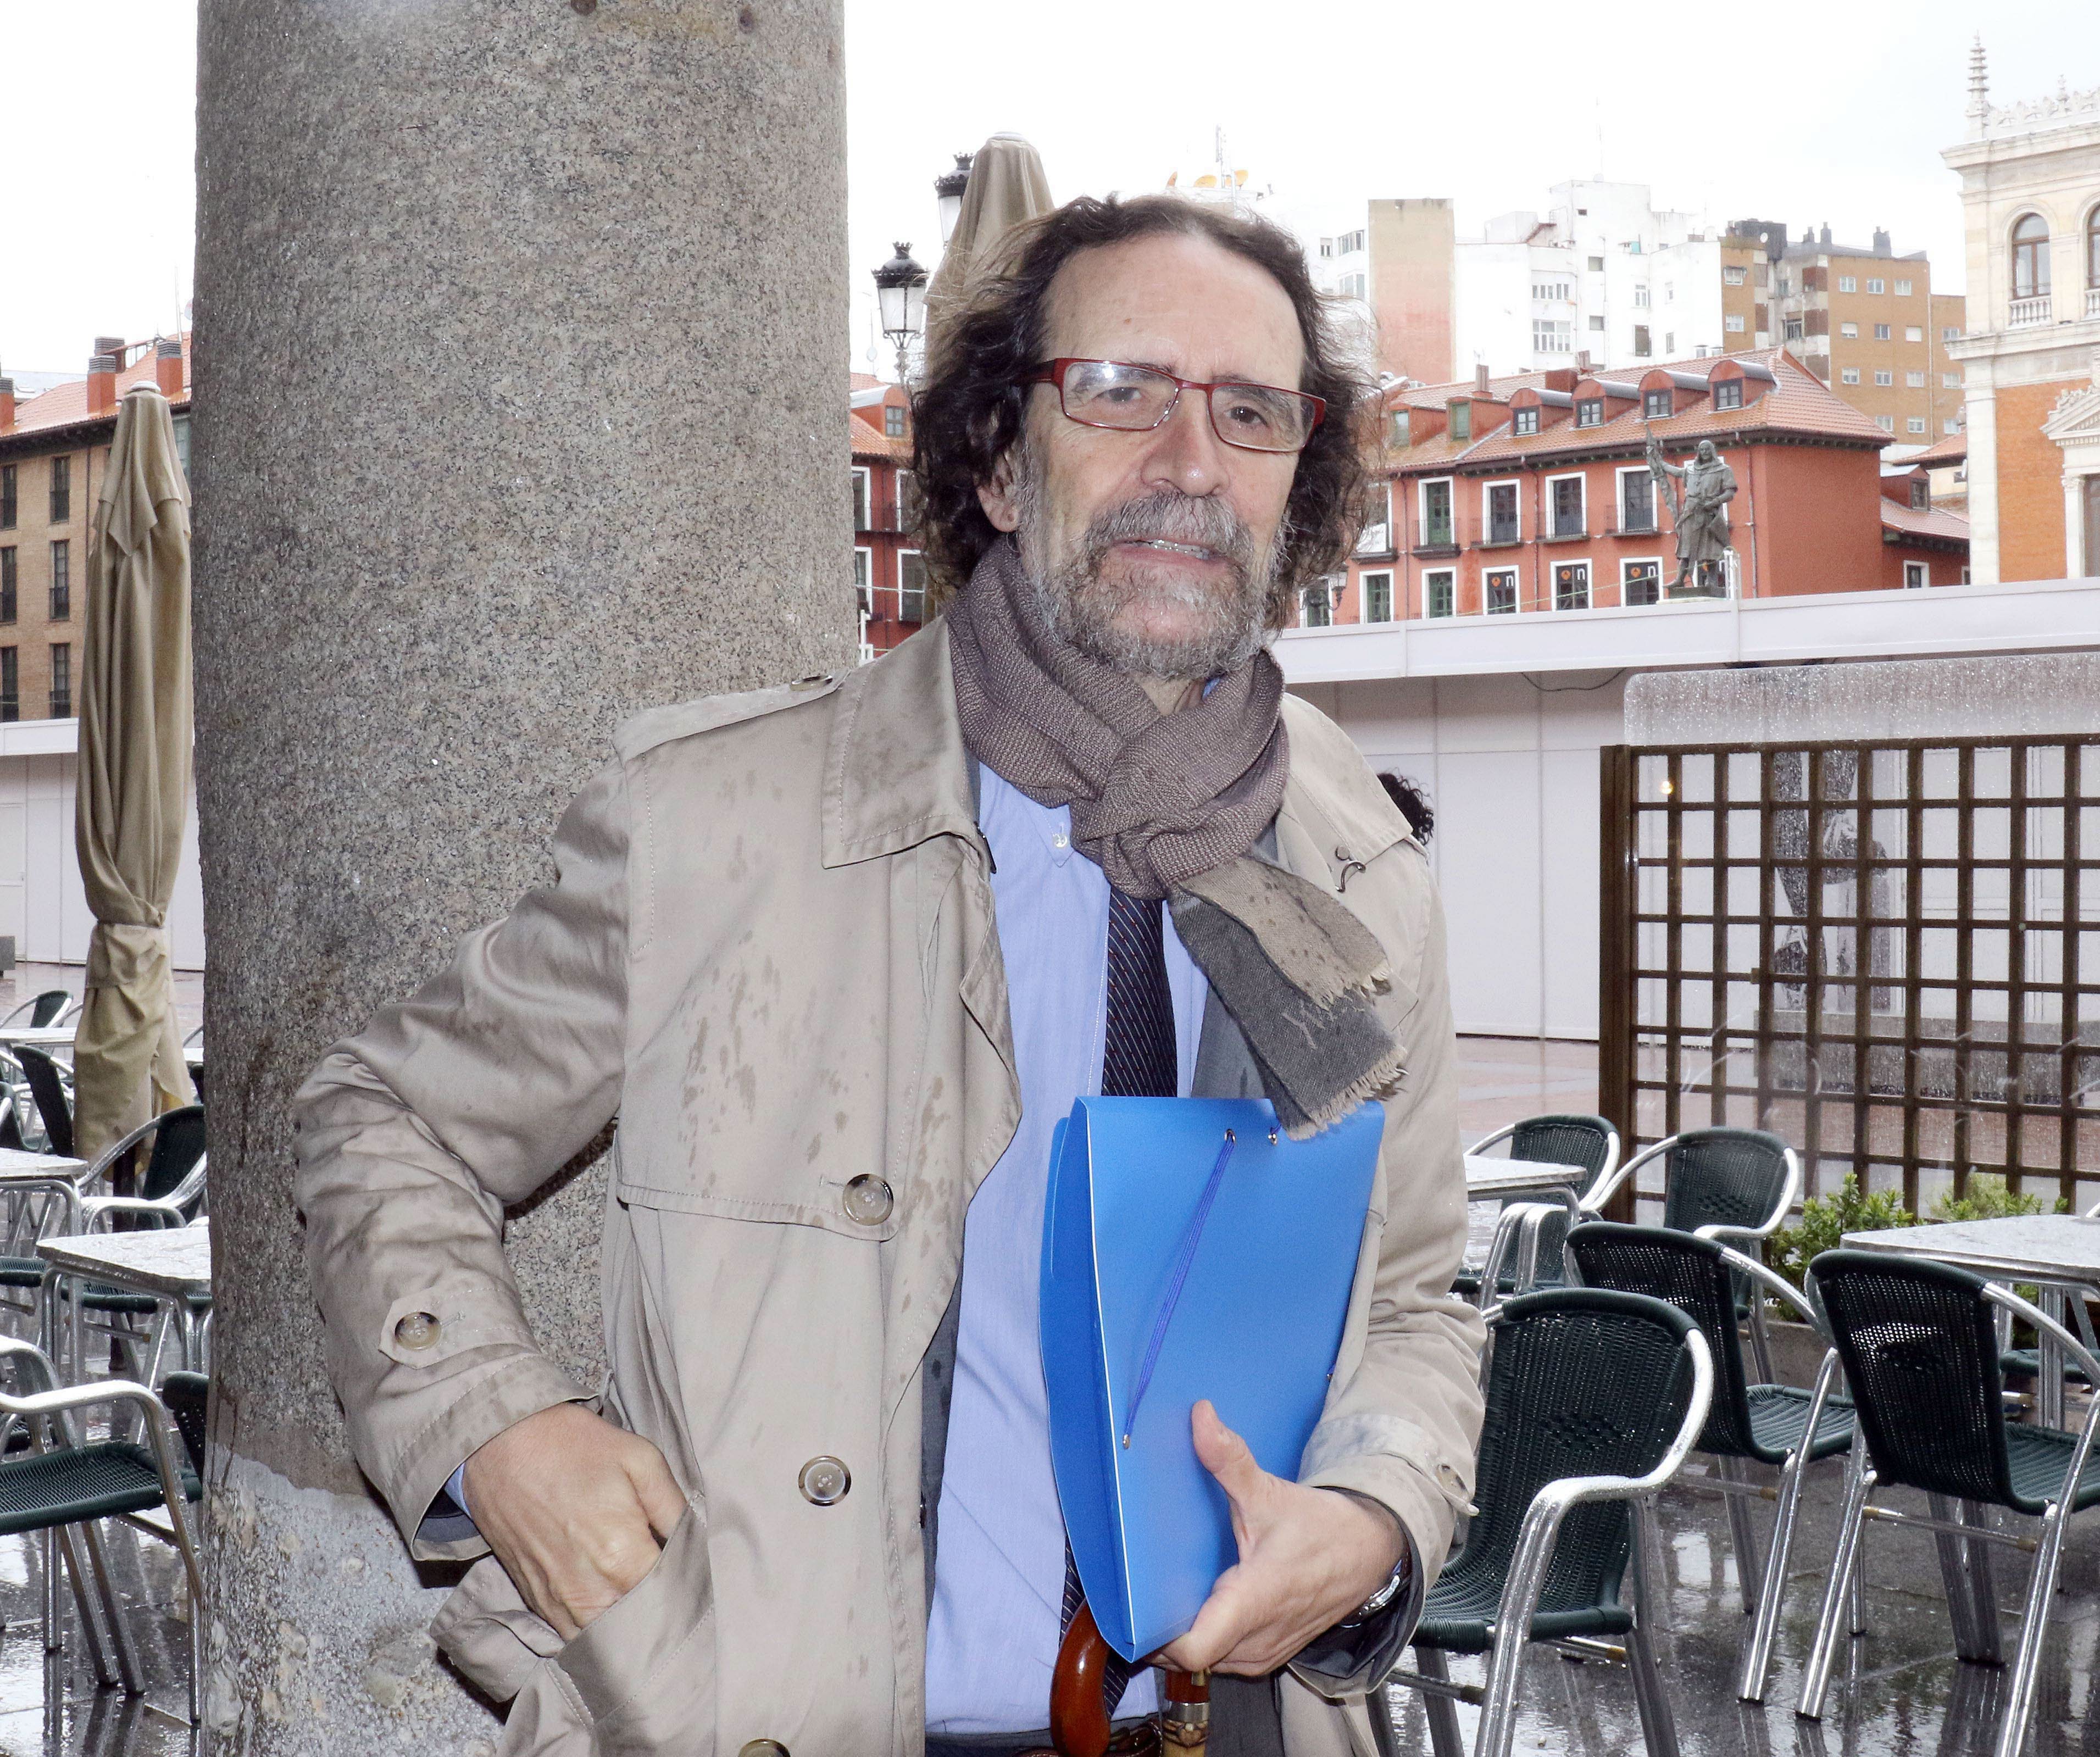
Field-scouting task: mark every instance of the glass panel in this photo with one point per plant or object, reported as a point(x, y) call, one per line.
point(1744, 889)
point(1695, 776)
point(1696, 833)
point(1840, 833)
point(2046, 767)
point(1942, 773)
point(1891, 831)
point(1789, 832)
point(1890, 775)
point(1654, 835)
point(1936, 952)
point(1942, 833)
point(2088, 771)
point(1743, 827)
point(1652, 889)
point(2047, 828)
point(1742, 943)
point(1992, 775)
point(1838, 774)
point(1840, 952)
point(1989, 954)
point(1695, 890)
point(2044, 956)
point(1991, 833)
point(1651, 946)
point(2045, 895)
point(1887, 889)
point(1654, 778)
point(1743, 774)
point(1695, 947)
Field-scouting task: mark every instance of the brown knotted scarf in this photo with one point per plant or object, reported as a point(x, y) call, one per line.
point(1171, 805)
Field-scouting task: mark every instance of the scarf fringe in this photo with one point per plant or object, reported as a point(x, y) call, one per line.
point(1377, 1083)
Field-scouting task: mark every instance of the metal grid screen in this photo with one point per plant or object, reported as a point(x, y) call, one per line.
point(1888, 954)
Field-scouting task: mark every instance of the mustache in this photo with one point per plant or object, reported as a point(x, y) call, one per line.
point(1201, 522)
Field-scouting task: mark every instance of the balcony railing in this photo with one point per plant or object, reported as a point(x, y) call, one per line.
point(2093, 302)
point(1502, 531)
point(1375, 540)
point(2026, 311)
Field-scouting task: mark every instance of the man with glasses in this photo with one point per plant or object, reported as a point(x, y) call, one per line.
point(839, 955)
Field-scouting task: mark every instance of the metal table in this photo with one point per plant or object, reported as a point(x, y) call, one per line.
point(1492, 1180)
point(50, 1038)
point(168, 1265)
point(2059, 1253)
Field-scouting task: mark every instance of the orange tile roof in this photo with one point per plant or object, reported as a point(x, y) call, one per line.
point(1798, 403)
point(870, 441)
point(65, 406)
point(1935, 522)
point(1952, 449)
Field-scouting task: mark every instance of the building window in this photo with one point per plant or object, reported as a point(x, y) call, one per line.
point(892, 421)
point(1460, 416)
point(910, 586)
point(1597, 321)
point(1571, 586)
point(1950, 381)
point(863, 497)
point(1849, 332)
point(1728, 394)
point(1436, 514)
point(1886, 423)
point(1953, 424)
point(1917, 574)
point(1378, 597)
point(1914, 424)
point(2031, 258)
point(1669, 342)
point(2092, 248)
point(1915, 380)
point(1848, 375)
point(1499, 589)
point(8, 604)
point(61, 490)
point(1351, 242)
point(1524, 421)
point(1641, 349)
point(1319, 607)
point(1733, 323)
point(1902, 289)
point(1848, 283)
point(1549, 337)
point(1885, 377)
point(1555, 291)
point(1732, 277)
point(61, 582)
point(1397, 427)
point(1567, 507)
point(1502, 522)
point(1590, 411)
point(1913, 332)
point(1875, 284)
point(1921, 494)
point(1669, 292)
point(1655, 406)
point(7, 504)
point(1640, 582)
point(1640, 298)
point(62, 681)
point(909, 503)
point(1881, 332)
point(1951, 333)
point(1353, 286)
point(1636, 501)
point(1596, 265)
point(1440, 592)
point(11, 684)
point(1375, 537)
point(1793, 329)
point(864, 581)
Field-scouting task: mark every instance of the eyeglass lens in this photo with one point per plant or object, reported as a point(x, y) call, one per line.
point(1259, 417)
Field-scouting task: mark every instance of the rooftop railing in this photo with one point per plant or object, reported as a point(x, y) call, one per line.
point(2026, 311)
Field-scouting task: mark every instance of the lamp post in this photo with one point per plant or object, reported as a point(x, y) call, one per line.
point(948, 189)
point(900, 294)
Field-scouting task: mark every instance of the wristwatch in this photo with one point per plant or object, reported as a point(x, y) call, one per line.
point(1402, 1571)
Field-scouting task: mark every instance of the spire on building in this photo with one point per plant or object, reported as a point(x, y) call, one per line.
point(1979, 91)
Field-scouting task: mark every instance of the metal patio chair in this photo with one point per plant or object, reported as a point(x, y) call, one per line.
point(1588, 1141)
point(49, 1087)
point(1750, 1423)
point(1594, 1397)
point(49, 1007)
point(1919, 1344)
point(64, 1488)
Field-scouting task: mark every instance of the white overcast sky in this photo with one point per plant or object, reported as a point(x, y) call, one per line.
point(1839, 116)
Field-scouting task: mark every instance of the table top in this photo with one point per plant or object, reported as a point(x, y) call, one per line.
point(38, 1037)
point(172, 1261)
point(1487, 1175)
point(17, 1164)
point(2064, 1247)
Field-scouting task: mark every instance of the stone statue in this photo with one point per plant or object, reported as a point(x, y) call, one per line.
point(1700, 511)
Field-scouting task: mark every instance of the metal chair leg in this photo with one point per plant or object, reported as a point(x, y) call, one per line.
point(128, 1667)
point(1970, 1604)
point(1658, 1722)
point(1815, 1676)
point(1445, 1740)
point(1743, 1536)
point(2034, 1629)
point(1757, 1659)
point(90, 1627)
point(1378, 1710)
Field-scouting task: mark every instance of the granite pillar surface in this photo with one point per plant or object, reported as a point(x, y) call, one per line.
point(520, 370)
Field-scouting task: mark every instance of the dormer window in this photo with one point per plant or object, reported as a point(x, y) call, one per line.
point(1590, 411)
point(1921, 494)
point(1728, 394)
point(1398, 428)
point(1461, 415)
point(1526, 421)
point(1655, 406)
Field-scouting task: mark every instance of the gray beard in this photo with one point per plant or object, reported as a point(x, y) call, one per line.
point(1080, 606)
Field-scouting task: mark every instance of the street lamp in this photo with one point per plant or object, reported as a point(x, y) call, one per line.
point(900, 294)
point(948, 189)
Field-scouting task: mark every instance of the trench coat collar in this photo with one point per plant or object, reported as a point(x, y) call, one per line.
point(896, 773)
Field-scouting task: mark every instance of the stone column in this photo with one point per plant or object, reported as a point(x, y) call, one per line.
point(521, 350)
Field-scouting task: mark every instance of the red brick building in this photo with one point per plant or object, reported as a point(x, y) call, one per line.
point(890, 579)
point(1533, 492)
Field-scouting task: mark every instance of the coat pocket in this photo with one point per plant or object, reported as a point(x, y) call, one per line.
point(644, 1672)
point(489, 1633)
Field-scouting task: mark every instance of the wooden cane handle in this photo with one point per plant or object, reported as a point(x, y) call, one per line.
point(1078, 1713)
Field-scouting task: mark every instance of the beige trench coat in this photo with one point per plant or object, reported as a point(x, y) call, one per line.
point(771, 951)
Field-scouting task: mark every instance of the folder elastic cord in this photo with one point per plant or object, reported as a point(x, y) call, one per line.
point(1191, 1236)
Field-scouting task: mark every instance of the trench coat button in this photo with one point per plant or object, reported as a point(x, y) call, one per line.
point(824, 1482)
point(418, 1330)
point(764, 1748)
point(868, 1200)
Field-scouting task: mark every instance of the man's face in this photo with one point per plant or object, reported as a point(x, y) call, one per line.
point(1154, 550)
point(1706, 452)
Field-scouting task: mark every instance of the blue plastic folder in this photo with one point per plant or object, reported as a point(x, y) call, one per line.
point(1177, 1266)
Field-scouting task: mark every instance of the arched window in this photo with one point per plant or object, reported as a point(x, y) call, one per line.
point(2092, 248)
point(2031, 258)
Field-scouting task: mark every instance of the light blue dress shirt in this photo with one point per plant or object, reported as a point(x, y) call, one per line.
point(992, 1637)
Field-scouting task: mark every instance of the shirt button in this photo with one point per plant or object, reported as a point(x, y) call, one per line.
point(417, 1331)
point(1061, 840)
point(868, 1200)
point(823, 1483)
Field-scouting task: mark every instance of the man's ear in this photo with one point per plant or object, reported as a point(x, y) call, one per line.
point(997, 495)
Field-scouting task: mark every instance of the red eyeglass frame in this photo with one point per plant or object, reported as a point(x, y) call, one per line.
point(1053, 371)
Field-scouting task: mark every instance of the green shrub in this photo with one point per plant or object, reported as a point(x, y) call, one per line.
point(1986, 1198)
point(1825, 1220)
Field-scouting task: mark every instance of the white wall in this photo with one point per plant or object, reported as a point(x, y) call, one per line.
point(1511, 766)
point(42, 902)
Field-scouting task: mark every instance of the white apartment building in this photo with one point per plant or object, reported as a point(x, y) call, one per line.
point(1602, 271)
